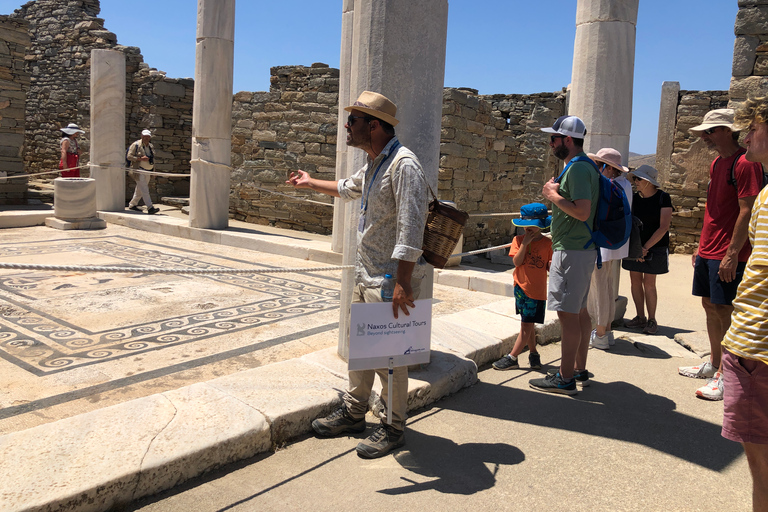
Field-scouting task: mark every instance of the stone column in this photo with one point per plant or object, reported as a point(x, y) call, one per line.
point(212, 115)
point(108, 128)
point(603, 72)
point(665, 139)
point(398, 49)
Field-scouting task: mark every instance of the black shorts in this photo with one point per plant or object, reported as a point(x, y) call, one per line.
point(655, 262)
point(707, 283)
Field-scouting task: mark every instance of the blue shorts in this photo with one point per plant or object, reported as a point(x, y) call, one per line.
point(531, 311)
point(706, 282)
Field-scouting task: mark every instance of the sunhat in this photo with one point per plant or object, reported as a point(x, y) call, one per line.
point(713, 119)
point(610, 157)
point(146, 132)
point(376, 105)
point(570, 126)
point(71, 129)
point(646, 172)
point(533, 214)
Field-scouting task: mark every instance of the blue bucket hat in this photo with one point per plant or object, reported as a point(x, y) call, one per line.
point(533, 214)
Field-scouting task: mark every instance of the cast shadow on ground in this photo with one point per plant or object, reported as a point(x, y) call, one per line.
point(455, 469)
point(614, 410)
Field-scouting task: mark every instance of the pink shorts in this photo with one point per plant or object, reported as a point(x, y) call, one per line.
point(745, 399)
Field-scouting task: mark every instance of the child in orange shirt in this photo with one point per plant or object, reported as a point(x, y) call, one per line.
point(532, 254)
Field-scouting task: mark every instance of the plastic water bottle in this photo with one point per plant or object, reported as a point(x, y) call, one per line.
point(387, 288)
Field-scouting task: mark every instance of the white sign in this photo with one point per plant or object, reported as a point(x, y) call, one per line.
point(375, 335)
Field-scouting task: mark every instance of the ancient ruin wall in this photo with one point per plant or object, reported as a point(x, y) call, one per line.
point(14, 83)
point(63, 33)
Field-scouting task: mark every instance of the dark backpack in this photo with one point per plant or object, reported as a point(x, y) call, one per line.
point(613, 218)
point(732, 181)
point(151, 156)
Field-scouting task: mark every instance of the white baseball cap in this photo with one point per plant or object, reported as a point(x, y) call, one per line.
point(570, 126)
point(146, 132)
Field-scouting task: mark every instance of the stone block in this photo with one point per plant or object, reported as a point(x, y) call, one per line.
point(751, 20)
point(744, 55)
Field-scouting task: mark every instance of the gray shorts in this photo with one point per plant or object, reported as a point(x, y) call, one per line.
point(569, 278)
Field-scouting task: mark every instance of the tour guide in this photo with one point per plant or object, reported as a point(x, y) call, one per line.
point(390, 232)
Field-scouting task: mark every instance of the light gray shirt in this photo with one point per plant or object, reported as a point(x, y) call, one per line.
point(394, 211)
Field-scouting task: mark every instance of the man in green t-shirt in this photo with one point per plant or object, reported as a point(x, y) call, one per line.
point(574, 198)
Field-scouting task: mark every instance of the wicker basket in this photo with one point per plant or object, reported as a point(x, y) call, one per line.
point(445, 225)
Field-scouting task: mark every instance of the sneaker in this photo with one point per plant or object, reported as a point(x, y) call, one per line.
point(636, 323)
point(581, 377)
point(338, 422)
point(153, 210)
point(611, 339)
point(554, 384)
point(383, 440)
point(506, 363)
point(534, 361)
point(700, 371)
point(601, 342)
point(134, 208)
point(651, 327)
point(713, 389)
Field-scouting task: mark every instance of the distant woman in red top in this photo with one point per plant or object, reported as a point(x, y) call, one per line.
point(70, 152)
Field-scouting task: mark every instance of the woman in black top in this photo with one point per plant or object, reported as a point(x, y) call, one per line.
point(654, 208)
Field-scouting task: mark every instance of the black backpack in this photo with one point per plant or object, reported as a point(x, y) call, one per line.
point(732, 180)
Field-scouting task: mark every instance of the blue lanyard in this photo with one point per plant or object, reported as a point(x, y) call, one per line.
point(393, 149)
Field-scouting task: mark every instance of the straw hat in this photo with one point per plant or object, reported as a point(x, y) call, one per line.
point(376, 105)
point(71, 128)
point(610, 157)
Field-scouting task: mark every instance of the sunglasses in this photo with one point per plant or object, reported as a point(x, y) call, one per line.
point(351, 119)
point(710, 131)
point(552, 138)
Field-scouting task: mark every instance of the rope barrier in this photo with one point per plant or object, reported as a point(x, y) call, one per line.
point(155, 270)
point(480, 251)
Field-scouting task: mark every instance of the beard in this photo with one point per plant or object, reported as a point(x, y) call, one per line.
point(561, 152)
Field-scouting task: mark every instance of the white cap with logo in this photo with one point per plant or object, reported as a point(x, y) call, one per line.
point(570, 126)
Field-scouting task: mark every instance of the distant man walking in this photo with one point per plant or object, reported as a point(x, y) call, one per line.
point(574, 199)
point(389, 239)
point(723, 246)
point(745, 358)
point(141, 154)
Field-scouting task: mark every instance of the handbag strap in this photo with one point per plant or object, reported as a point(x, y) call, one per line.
point(402, 154)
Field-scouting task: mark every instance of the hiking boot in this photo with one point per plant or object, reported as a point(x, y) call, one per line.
point(700, 371)
point(383, 440)
point(580, 376)
point(554, 384)
point(534, 361)
point(135, 208)
point(602, 342)
point(651, 327)
point(713, 389)
point(636, 323)
point(153, 210)
point(338, 422)
point(506, 363)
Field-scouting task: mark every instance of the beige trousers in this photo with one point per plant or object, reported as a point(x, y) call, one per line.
point(361, 381)
point(601, 302)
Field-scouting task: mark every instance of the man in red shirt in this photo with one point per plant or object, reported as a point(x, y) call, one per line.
point(723, 250)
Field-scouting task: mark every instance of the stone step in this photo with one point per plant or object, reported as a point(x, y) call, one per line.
point(178, 202)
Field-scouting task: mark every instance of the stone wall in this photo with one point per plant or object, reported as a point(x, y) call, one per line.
point(63, 33)
point(14, 83)
point(750, 52)
point(494, 157)
point(291, 127)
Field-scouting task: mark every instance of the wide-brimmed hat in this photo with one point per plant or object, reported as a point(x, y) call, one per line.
point(609, 156)
point(533, 214)
point(375, 105)
point(570, 126)
point(713, 119)
point(71, 128)
point(146, 132)
point(646, 172)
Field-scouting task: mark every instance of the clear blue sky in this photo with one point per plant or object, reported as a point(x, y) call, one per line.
point(495, 46)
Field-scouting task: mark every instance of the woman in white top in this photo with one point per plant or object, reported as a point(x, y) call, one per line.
point(602, 299)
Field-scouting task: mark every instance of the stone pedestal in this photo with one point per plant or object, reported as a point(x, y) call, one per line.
point(396, 48)
point(603, 72)
point(108, 128)
point(74, 204)
point(212, 115)
point(665, 140)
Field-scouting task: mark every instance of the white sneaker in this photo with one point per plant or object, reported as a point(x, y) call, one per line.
point(713, 389)
point(601, 342)
point(700, 371)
